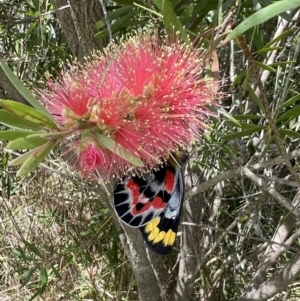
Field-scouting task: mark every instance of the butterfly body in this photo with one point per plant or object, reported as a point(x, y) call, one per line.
point(153, 204)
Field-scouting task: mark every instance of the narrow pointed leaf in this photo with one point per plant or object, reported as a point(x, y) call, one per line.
point(119, 150)
point(263, 15)
point(19, 252)
point(50, 134)
point(27, 113)
point(171, 22)
point(264, 50)
point(278, 38)
point(26, 142)
point(247, 126)
point(12, 121)
point(264, 67)
point(33, 249)
point(293, 113)
point(56, 272)
point(254, 97)
point(117, 13)
point(21, 159)
point(290, 101)
point(241, 134)
point(247, 117)
point(239, 78)
point(43, 277)
point(23, 90)
point(13, 135)
point(158, 4)
point(26, 276)
point(228, 116)
point(290, 133)
point(284, 63)
point(37, 155)
point(120, 23)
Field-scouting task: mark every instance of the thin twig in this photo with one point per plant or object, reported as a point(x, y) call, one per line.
point(106, 21)
point(271, 191)
point(286, 246)
point(265, 103)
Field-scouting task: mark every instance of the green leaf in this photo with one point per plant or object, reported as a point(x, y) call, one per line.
point(43, 280)
point(282, 63)
point(247, 117)
point(129, 2)
point(117, 25)
point(293, 113)
point(263, 50)
point(263, 15)
point(186, 14)
point(246, 126)
point(37, 155)
point(158, 4)
point(10, 120)
point(26, 142)
point(13, 135)
point(149, 10)
point(21, 254)
point(289, 102)
point(56, 272)
point(114, 15)
point(192, 10)
point(119, 150)
point(265, 67)
point(43, 277)
point(21, 159)
point(278, 38)
point(26, 276)
point(241, 134)
point(283, 15)
point(33, 249)
point(172, 23)
point(290, 133)
point(27, 113)
point(254, 97)
point(23, 90)
point(228, 116)
point(239, 78)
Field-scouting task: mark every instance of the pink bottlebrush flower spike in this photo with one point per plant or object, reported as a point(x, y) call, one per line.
point(145, 98)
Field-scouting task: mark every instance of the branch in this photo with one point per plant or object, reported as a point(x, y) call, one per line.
point(237, 173)
point(274, 285)
point(271, 191)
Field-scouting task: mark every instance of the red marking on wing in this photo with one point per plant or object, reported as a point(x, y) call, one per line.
point(169, 181)
point(134, 188)
point(156, 204)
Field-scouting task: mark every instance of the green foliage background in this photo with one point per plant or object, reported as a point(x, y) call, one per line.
point(57, 235)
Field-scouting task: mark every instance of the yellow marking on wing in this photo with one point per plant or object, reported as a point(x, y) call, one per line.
point(152, 224)
point(159, 237)
point(169, 238)
point(153, 234)
point(156, 236)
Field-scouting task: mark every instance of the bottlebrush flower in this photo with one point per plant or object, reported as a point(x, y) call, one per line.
point(91, 157)
point(146, 97)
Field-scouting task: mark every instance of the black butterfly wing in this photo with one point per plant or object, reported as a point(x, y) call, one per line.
point(137, 200)
point(160, 232)
point(153, 203)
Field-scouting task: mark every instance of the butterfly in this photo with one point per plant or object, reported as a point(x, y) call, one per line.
point(153, 203)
